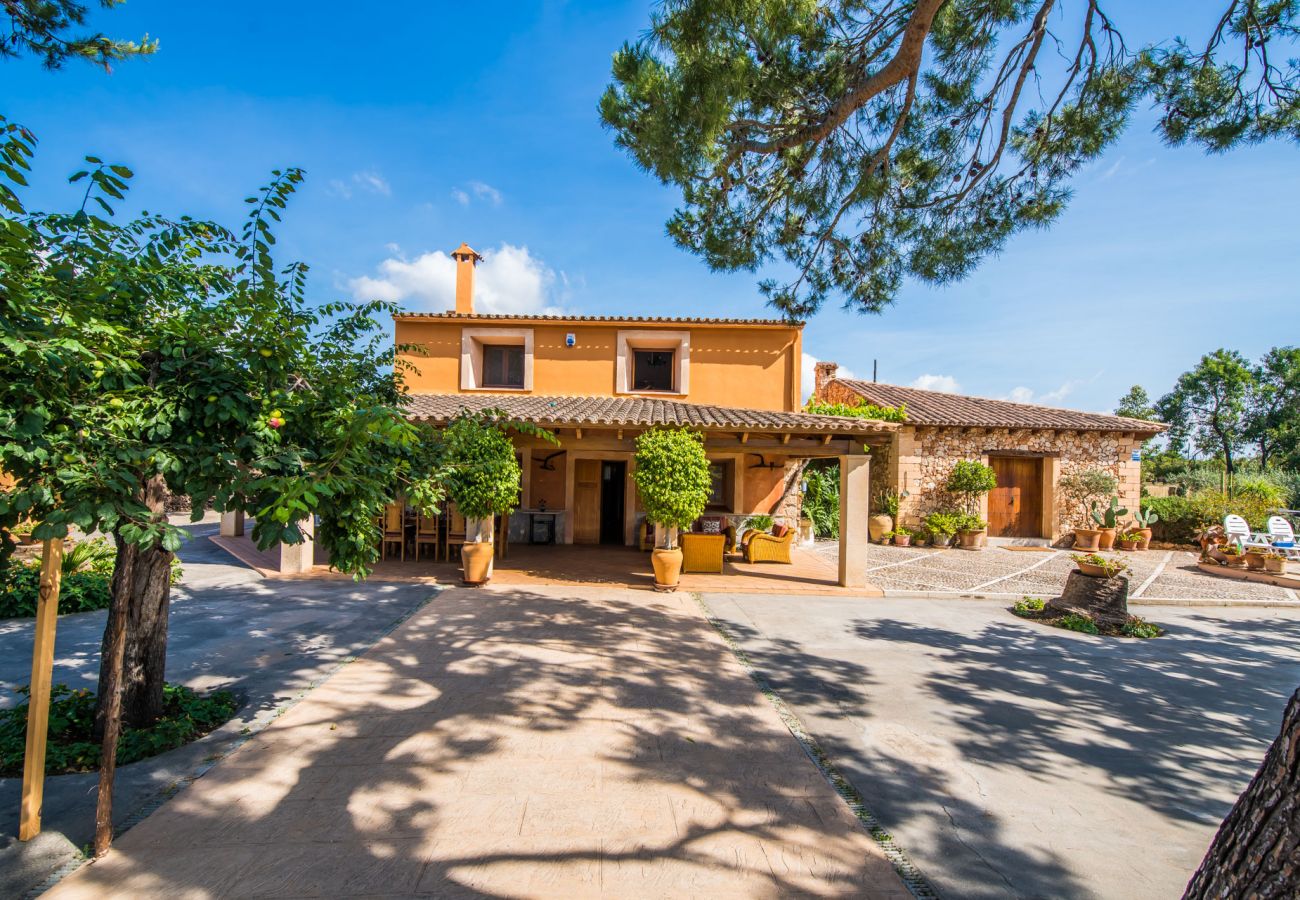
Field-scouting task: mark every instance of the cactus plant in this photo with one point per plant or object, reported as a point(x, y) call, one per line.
point(1109, 516)
point(1145, 518)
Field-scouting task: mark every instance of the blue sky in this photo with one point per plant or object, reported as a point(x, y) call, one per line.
point(437, 123)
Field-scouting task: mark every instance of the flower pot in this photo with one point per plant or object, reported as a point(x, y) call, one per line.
point(668, 568)
point(1106, 538)
point(1145, 543)
point(1235, 562)
point(941, 540)
point(1092, 570)
point(971, 540)
point(877, 525)
point(1129, 546)
point(1275, 566)
point(902, 540)
point(1255, 561)
point(476, 562)
point(1086, 539)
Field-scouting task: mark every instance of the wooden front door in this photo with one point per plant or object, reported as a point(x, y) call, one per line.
point(1016, 504)
point(586, 501)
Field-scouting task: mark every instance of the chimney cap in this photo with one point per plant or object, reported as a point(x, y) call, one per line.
point(465, 251)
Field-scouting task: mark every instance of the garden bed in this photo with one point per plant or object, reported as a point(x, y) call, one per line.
point(1037, 610)
point(72, 746)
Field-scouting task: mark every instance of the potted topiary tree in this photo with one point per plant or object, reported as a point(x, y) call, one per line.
point(942, 526)
point(483, 481)
point(672, 478)
point(969, 481)
point(1081, 490)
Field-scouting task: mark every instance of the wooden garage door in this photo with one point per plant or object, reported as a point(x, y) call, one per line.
point(1016, 504)
point(586, 501)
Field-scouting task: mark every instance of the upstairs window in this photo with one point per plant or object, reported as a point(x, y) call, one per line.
point(653, 370)
point(503, 366)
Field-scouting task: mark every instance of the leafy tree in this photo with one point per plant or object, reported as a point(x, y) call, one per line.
point(1206, 410)
point(1273, 414)
point(672, 476)
point(969, 480)
point(42, 28)
point(865, 143)
point(1136, 404)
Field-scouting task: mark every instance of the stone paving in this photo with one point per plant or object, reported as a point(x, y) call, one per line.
point(1156, 575)
point(513, 741)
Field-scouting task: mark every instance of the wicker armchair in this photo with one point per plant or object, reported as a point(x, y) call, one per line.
point(763, 547)
point(702, 552)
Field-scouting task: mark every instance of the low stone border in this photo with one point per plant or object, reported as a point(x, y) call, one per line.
point(144, 810)
point(910, 875)
point(901, 594)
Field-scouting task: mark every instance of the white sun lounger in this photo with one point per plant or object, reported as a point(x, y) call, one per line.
point(1282, 537)
point(1238, 531)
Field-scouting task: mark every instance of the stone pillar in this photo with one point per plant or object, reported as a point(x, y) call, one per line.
point(298, 559)
point(855, 484)
point(232, 523)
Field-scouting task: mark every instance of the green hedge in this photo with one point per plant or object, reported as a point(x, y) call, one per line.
point(20, 588)
point(1182, 519)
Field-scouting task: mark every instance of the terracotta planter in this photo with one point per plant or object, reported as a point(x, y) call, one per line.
point(1106, 538)
point(1235, 562)
point(1255, 561)
point(941, 540)
point(1130, 546)
point(668, 568)
point(1145, 543)
point(476, 563)
point(1093, 571)
point(877, 525)
point(971, 540)
point(902, 540)
point(1275, 566)
point(1086, 539)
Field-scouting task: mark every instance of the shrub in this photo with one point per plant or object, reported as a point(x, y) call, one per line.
point(887, 503)
point(73, 747)
point(483, 475)
point(1182, 519)
point(1080, 623)
point(1259, 488)
point(79, 592)
point(672, 476)
point(1029, 605)
point(970, 480)
point(758, 523)
point(1138, 627)
point(821, 499)
point(860, 410)
point(944, 523)
point(1082, 489)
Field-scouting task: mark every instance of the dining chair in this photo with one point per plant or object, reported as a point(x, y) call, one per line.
point(426, 532)
point(455, 529)
point(395, 529)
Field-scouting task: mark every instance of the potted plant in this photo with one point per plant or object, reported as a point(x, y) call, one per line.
point(1081, 490)
point(970, 480)
point(1108, 521)
point(883, 521)
point(1098, 566)
point(23, 532)
point(1275, 563)
point(941, 527)
point(483, 480)
point(902, 536)
point(1255, 558)
point(672, 478)
point(1144, 519)
point(1233, 556)
point(1130, 540)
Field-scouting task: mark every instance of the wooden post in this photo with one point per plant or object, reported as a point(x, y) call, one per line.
point(38, 702)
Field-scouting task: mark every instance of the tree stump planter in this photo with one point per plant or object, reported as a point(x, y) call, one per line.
point(1104, 600)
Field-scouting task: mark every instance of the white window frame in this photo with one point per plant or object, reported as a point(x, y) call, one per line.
point(653, 339)
point(472, 342)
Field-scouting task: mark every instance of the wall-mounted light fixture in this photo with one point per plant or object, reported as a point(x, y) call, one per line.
point(570, 339)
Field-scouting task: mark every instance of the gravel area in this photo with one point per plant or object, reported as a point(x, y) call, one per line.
point(995, 570)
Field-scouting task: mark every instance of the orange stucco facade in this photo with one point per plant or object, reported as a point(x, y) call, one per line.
point(754, 365)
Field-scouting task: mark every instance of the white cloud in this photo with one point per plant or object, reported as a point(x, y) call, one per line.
point(1021, 394)
point(460, 196)
point(1055, 397)
point(476, 190)
point(508, 280)
point(944, 383)
point(368, 180)
point(808, 374)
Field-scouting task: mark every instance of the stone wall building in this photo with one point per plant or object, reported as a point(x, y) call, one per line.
point(1029, 447)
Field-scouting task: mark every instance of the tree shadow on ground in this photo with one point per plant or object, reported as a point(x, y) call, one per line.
point(514, 742)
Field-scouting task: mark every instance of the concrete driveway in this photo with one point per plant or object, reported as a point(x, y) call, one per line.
point(1008, 759)
point(266, 640)
point(514, 742)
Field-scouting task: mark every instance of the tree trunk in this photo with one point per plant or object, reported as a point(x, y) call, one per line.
point(1105, 600)
point(1256, 853)
point(146, 583)
point(108, 715)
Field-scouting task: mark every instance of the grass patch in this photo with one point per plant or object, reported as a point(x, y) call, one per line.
point(1035, 609)
point(72, 747)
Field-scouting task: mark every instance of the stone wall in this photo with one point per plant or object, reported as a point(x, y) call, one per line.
point(925, 456)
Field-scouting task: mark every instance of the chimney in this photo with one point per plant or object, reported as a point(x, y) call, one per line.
point(823, 374)
point(466, 260)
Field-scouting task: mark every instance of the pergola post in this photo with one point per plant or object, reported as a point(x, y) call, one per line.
point(297, 559)
point(855, 468)
point(232, 523)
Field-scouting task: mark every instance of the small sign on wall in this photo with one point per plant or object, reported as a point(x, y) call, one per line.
point(1137, 456)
